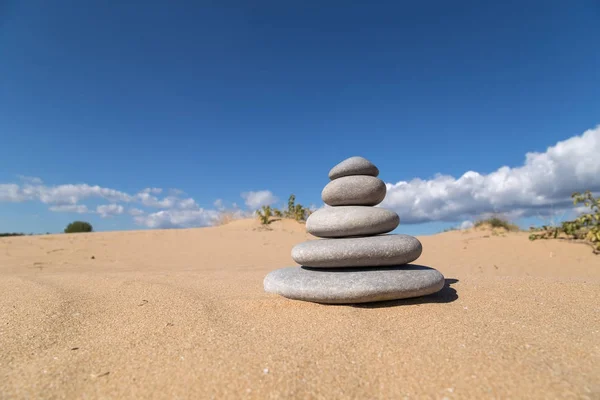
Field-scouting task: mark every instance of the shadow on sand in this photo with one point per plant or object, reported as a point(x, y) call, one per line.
point(446, 295)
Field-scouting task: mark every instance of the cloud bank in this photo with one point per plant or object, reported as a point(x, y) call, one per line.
point(110, 210)
point(178, 218)
point(174, 211)
point(541, 186)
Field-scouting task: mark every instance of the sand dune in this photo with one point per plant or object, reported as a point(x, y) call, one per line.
point(183, 314)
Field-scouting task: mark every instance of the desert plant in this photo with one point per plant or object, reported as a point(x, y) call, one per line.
point(300, 213)
point(78, 226)
point(585, 227)
point(291, 206)
point(296, 211)
point(496, 222)
point(264, 215)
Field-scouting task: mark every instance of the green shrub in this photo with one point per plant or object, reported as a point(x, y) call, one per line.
point(295, 211)
point(497, 222)
point(7, 234)
point(264, 215)
point(585, 227)
point(78, 226)
point(300, 213)
point(291, 206)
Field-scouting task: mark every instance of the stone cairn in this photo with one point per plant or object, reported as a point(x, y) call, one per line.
point(356, 261)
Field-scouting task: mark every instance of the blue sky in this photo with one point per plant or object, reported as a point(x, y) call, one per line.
point(216, 99)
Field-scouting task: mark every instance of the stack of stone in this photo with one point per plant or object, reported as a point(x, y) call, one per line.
point(356, 261)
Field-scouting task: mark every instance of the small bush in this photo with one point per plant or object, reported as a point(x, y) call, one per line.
point(78, 226)
point(496, 222)
point(7, 234)
point(294, 211)
point(585, 227)
point(264, 215)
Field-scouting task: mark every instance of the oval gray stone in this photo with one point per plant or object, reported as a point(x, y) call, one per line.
point(352, 285)
point(353, 166)
point(358, 190)
point(345, 221)
point(373, 251)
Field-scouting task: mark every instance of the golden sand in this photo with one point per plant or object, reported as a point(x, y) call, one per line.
point(183, 314)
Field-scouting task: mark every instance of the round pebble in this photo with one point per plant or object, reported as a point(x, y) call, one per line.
point(353, 166)
point(370, 251)
point(344, 286)
point(346, 221)
point(358, 190)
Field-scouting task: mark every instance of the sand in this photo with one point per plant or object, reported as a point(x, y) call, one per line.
point(183, 314)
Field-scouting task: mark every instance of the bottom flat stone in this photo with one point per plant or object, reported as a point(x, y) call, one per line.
point(354, 285)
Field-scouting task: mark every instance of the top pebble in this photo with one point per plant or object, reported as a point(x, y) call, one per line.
point(353, 166)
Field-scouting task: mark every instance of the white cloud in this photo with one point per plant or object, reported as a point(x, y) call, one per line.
point(11, 192)
point(110, 210)
point(542, 184)
point(178, 212)
point(255, 200)
point(168, 202)
point(232, 212)
point(178, 218)
point(466, 225)
point(152, 190)
point(68, 198)
point(152, 201)
point(187, 204)
point(73, 208)
point(233, 209)
point(219, 204)
point(135, 211)
point(237, 213)
point(73, 194)
point(70, 194)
